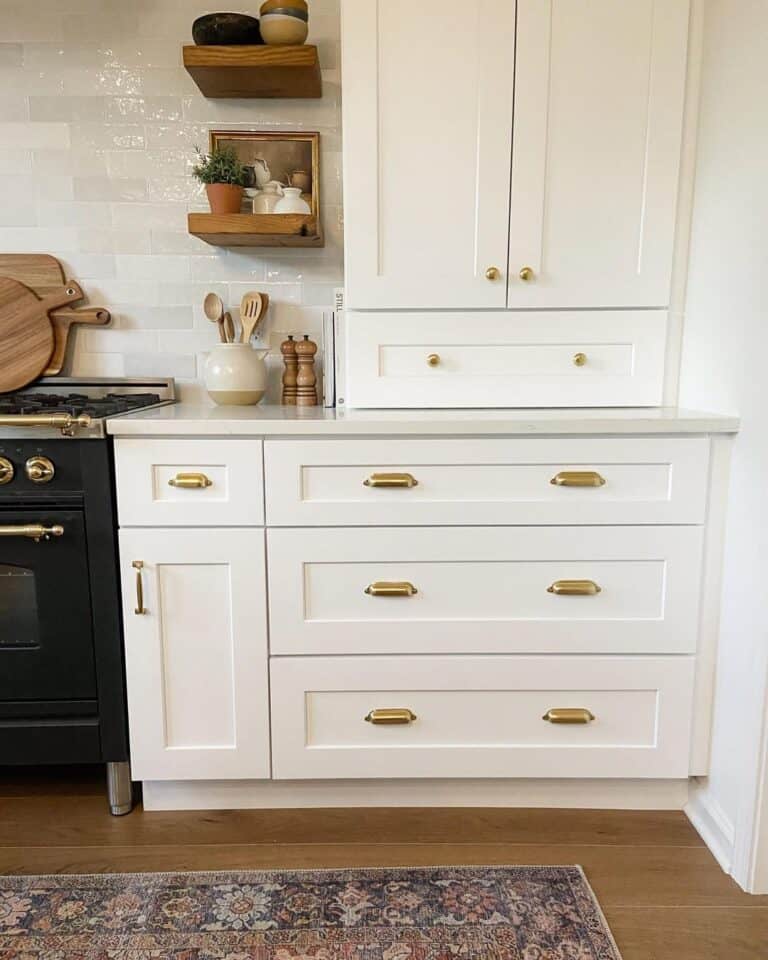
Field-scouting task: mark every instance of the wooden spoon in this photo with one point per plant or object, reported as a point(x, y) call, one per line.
point(250, 310)
point(214, 310)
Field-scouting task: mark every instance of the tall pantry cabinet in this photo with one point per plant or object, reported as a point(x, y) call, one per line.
point(503, 159)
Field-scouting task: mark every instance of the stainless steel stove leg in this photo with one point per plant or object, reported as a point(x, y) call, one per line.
point(119, 789)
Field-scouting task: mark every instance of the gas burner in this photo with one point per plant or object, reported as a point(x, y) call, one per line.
point(80, 411)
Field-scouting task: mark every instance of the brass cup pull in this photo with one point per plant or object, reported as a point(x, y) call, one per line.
point(399, 480)
point(574, 588)
point(527, 274)
point(570, 715)
point(391, 717)
point(190, 481)
point(138, 566)
point(33, 531)
point(578, 478)
point(433, 360)
point(384, 589)
point(580, 359)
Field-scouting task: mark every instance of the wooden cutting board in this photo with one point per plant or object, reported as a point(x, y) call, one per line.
point(26, 333)
point(44, 274)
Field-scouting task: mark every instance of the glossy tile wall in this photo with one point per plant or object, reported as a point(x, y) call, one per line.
point(98, 122)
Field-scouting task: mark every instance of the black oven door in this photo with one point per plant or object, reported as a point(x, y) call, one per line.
point(46, 630)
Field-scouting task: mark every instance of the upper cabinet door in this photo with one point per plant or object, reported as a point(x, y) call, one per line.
point(599, 103)
point(428, 100)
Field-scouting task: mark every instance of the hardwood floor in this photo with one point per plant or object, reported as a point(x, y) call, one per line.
point(663, 894)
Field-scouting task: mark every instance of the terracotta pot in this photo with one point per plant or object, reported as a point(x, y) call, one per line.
point(224, 197)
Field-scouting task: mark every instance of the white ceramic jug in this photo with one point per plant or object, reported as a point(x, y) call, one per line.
point(235, 373)
point(292, 202)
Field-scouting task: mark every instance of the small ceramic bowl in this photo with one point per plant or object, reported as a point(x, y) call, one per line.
point(283, 29)
point(270, 6)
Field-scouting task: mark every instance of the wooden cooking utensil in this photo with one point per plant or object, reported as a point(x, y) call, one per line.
point(229, 328)
point(250, 311)
point(26, 332)
point(62, 320)
point(213, 308)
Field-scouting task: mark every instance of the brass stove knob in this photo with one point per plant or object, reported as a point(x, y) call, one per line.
point(40, 470)
point(7, 471)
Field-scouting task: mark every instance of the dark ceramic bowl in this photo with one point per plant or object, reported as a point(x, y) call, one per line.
point(226, 29)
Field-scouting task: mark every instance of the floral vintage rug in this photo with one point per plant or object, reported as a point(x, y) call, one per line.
point(443, 913)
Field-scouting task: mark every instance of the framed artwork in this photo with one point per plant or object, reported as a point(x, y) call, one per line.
point(287, 159)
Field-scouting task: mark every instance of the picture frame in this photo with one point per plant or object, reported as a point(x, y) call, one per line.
point(290, 157)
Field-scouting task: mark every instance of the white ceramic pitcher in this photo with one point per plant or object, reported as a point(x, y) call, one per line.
point(235, 373)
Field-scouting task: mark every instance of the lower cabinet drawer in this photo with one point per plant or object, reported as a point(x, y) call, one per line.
point(386, 717)
point(506, 358)
point(473, 590)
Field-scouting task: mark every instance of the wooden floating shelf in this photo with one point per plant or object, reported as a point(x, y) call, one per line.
point(255, 71)
point(256, 230)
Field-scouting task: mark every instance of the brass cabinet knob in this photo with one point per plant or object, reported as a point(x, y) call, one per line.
point(492, 273)
point(7, 471)
point(527, 274)
point(40, 470)
point(580, 359)
point(434, 359)
point(569, 715)
point(391, 717)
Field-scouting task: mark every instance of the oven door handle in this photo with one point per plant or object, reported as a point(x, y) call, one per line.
point(33, 531)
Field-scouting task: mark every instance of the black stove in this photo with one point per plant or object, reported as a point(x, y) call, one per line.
point(62, 688)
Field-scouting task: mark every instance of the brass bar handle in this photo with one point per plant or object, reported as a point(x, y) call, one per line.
point(569, 715)
point(383, 588)
point(65, 422)
point(138, 566)
point(578, 478)
point(190, 481)
point(33, 531)
point(391, 717)
point(401, 480)
point(575, 588)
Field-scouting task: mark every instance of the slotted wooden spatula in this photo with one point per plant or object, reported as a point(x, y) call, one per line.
point(253, 308)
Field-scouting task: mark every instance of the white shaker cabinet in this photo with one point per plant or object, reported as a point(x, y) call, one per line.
point(444, 211)
point(196, 653)
point(599, 105)
point(428, 98)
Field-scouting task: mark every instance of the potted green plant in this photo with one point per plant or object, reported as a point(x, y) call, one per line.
point(224, 177)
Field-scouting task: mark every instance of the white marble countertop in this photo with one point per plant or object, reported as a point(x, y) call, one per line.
point(190, 420)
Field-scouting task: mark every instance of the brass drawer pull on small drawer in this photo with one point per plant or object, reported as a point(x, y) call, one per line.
point(390, 718)
point(190, 481)
point(400, 480)
point(575, 588)
point(385, 589)
point(569, 715)
point(578, 478)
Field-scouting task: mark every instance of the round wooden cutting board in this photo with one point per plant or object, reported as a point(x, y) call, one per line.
point(26, 332)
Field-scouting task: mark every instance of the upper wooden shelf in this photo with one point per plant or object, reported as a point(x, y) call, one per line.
point(259, 71)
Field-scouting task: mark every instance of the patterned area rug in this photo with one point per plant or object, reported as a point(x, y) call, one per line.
point(444, 913)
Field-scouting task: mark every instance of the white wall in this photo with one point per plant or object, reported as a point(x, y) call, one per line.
point(725, 366)
point(98, 120)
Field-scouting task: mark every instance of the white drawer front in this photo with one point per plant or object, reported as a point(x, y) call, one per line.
point(484, 590)
point(646, 480)
point(196, 483)
point(481, 717)
point(505, 359)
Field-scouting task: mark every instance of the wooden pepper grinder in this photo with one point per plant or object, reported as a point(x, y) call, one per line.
point(306, 391)
point(290, 371)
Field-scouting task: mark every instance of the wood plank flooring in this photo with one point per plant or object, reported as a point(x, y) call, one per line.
point(663, 894)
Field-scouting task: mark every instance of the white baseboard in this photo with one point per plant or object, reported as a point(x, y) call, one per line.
point(285, 794)
point(712, 824)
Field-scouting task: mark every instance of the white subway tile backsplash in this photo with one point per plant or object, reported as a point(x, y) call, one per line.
point(98, 123)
